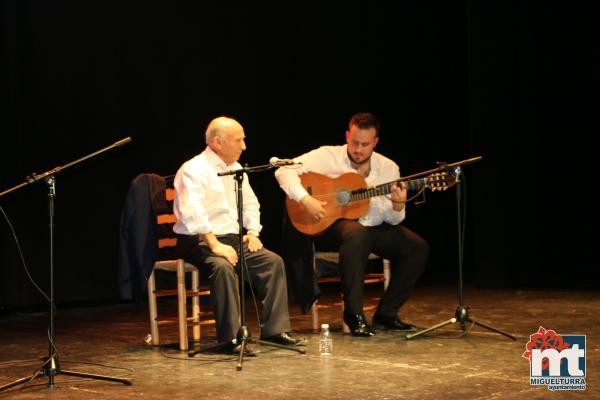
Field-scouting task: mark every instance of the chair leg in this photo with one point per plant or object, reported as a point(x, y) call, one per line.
point(345, 327)
point(314, 312)
point(196, 305)
point(153, 309)
point(386, 273)
point(181, 304)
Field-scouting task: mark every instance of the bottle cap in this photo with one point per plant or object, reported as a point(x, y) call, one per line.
point(323, 326)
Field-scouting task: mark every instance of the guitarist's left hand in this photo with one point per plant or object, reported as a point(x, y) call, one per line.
point(398, 196)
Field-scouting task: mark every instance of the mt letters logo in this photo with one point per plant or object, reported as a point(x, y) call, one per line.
point(557, 361)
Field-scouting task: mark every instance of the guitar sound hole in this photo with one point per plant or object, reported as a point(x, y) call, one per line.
point(343, 197)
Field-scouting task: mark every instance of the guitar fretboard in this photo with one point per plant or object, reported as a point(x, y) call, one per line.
point(386, 188)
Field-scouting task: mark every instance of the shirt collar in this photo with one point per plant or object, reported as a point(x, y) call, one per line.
point(214, 160)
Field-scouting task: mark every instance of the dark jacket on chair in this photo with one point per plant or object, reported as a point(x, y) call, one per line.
point(138, 249)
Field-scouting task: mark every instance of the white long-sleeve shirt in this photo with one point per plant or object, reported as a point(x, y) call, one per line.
point(205, 202)
point(333, 161)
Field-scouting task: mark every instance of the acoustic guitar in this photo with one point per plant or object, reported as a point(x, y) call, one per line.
point(347, 197)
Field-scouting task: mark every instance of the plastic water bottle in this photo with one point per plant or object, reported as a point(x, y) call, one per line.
point(325, 342)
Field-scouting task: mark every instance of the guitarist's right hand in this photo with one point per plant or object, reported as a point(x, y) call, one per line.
point(313, 207)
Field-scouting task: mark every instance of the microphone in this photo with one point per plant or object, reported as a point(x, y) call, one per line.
point(281, 162)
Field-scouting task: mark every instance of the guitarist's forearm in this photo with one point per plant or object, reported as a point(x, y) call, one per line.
point(304, 199)
point(290, 183)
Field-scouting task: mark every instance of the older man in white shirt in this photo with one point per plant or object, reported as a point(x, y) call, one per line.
point(208, 236)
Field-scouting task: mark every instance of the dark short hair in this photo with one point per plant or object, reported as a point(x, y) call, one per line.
point(365, 120)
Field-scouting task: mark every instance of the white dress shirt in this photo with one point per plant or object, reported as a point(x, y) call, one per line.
point(205, 202)
point(333, 161)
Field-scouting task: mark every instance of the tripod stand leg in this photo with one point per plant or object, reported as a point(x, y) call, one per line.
point(208, 349)
point(266, 343)
point(282, 346)
point(49, 368)
point(125, 381)
point(440, 325)
point(491, 329)
point(241, 356)
point(56, 372)
point(19, 381)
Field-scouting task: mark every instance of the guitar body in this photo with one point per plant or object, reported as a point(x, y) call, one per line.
point(347, 197)
point(335, 192)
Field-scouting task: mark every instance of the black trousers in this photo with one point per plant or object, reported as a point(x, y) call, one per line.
point(407, 252)
point(266, 274)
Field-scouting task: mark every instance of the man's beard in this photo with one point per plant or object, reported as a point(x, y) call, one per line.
point(366, 160)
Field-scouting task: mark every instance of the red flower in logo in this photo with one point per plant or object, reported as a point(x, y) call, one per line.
point(545, 339)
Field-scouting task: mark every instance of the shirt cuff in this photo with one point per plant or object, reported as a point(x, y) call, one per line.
point(298, 193)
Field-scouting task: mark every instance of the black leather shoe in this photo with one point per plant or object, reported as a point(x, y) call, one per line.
point(391, 323)
point(286, 339)
point(358, 326)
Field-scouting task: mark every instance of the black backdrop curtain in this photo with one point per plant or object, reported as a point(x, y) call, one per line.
point(449, 81)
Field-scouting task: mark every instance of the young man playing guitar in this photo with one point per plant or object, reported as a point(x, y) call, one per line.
point(336, 219)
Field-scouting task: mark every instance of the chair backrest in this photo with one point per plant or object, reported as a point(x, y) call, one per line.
point(165, 219)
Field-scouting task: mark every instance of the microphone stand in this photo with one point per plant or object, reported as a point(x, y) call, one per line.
point(243, 335)
point(51, 367)
point(461, 314)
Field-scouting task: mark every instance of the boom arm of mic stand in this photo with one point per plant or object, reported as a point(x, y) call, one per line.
point(442, 167)
point(246, 169)
point(36, 177)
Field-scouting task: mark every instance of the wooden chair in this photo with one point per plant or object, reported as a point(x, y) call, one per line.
point(167, 242)
point(334, 257)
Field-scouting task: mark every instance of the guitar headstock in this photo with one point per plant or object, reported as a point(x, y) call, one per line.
point(440, 181)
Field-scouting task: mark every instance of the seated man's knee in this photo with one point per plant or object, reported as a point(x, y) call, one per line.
point(276, 262)
point(223, 270)
point(421, 248)
point(422, 244)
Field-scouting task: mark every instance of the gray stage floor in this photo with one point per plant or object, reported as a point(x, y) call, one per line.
point(444, 364)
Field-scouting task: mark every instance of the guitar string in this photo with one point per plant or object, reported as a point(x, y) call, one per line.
point(327, 195)
point(354, 192)
point(374, 189)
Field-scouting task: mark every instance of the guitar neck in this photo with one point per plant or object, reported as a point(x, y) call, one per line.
point(386, 188)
